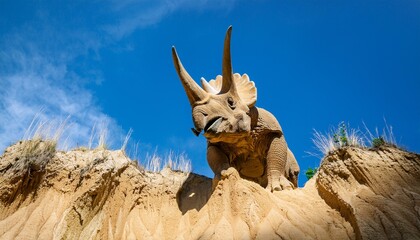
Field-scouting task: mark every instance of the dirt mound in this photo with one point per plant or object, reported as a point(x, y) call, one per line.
point(101, 194)
point(378, 192)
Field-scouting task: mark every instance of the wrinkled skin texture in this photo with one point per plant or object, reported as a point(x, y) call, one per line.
point(239, 134)
point(260, 154)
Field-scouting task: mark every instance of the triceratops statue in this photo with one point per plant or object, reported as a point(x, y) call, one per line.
point(238, 134)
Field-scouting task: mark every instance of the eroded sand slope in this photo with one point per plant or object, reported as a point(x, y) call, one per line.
point(101, 194)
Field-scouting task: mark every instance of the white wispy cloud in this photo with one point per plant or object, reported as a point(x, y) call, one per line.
point(37, 74)
point(36, 79)
point(140, 14)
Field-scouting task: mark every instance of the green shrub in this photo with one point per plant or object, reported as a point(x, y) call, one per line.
point(386, 138)
point(336, 138)
point(340, 136)
point(377, 142)
point(310, 172)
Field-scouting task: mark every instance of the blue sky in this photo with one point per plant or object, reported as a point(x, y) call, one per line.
point(315, 64)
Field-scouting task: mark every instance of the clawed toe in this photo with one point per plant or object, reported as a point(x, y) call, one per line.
point(285, 184)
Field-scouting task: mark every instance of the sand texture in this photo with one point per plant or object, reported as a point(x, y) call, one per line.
point(101, 194)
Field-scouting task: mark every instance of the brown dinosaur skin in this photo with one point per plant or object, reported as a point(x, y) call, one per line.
point(258, 155)
point(239, 134)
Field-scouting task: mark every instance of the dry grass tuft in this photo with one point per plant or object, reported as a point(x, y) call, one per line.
point(176, 162)
point(39, 145)
point(36, 154)
point(342, 136)
point(103, 134)
point(335, 139)
point(99, 136)
point(127, 137)
point(323, 143)
point(153, 163)
point(386, 138)
point(41, 138)
point(47, 130)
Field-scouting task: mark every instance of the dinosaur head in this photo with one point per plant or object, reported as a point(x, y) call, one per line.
point(221, 109)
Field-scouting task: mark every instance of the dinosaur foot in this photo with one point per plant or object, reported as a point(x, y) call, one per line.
point(279, 184)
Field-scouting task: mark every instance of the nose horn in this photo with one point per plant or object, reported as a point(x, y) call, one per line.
point(194, 92)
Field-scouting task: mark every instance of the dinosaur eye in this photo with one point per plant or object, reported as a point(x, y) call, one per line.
point(231, 103)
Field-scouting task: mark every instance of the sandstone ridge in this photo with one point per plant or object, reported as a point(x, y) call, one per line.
point(101, 194)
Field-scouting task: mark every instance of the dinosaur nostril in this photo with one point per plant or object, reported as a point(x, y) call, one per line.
point(239, 117)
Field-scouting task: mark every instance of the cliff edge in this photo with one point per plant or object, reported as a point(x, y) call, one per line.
point(101, 194)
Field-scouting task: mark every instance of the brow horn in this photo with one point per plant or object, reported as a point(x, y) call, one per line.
point(194, 92)
point(227, 83)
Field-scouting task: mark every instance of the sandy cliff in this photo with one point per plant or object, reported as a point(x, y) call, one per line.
point(101, 194)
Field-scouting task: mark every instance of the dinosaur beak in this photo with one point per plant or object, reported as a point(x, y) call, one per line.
point(196, 132)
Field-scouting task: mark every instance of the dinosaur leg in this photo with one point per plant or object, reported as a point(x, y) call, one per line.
point(292, 168)
point(218, 161)
point(276, 164)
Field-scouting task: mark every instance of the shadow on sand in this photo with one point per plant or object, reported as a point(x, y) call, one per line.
point(194, 193)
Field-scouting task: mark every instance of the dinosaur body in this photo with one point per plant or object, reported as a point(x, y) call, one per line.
point(239, 134)
point(247, 152)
